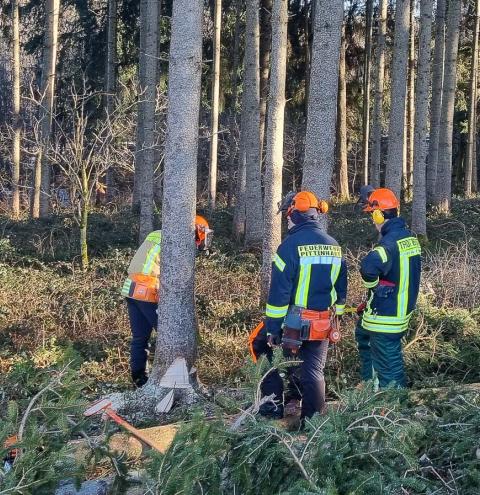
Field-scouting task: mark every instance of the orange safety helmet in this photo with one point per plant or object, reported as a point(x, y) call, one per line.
point(304, 200)
point(381, 199)
point(202, 233)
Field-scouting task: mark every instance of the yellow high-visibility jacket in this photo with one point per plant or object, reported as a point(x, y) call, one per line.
point(142, 282)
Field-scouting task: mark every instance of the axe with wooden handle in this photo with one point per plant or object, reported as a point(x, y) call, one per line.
point(103, 406)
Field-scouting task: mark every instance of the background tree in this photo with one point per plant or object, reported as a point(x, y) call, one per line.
point(322, 99)
point(341, 141)
point(177, 320)
point(17, 129)
point(212, 176)
point(148, 119)
point(111, 80)
point(437, 97)
point(41, 192)
point(410, 124)
point(251, 132)
point(274, 159)
point(367, 63)
point(396, 129)
point(377, 122)
point(419, 205)
point(443, 195)
point(470, 158)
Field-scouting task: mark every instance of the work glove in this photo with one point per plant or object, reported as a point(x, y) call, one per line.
point(274, 338)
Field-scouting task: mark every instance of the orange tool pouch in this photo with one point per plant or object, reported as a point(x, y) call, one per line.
point(251, 338)
point(144, 288)
point(323, 325)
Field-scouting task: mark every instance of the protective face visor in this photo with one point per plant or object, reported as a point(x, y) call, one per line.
point(203, 237)
point(285, 205)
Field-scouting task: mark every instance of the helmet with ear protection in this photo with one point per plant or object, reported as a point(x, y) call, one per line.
point(304, 200)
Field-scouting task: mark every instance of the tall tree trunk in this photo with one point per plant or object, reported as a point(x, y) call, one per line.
point(139, 134)
point(419, 205)
point(341, 141)
point(377, 124)
point(410, 104)
point(233, 110)
point(212, 176)
point(41, 195)
point(265, 50)
point(322, 103)
point(110, 84)
point(472, 124)
point(396, 130)
point(437, 97)
point(17, 128)
point(177, 329)
point(444, 172)
point(253, 203)
point(150, 98)
point(274, 159)
point(366, 88)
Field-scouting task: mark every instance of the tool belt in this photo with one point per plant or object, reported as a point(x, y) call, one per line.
point(144, 287)
point(302, 325)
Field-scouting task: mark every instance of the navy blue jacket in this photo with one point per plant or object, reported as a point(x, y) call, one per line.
point(392, 273)
point(308, 270)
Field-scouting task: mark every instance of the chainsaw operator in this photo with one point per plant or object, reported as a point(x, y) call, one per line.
point(308, 288)
point(141, 289)
point(391, 273)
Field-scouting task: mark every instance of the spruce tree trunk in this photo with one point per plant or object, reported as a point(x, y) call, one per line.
point(367, 63)
point(177, 329)
point(444, 173)
point(322, 102)
point(212, 176)
point(410, 105)
point(251, 131)
point(396, 130)
point(437, 96)
point(150, 98)
point(275, 128)
point(41, 195)
point(17, 128)
point(341, 141)
point(110, 84)
point(233, 110)
point(472, 103)
point(419, 205)
point(265, 51)
point(84, 206)
point(139, 134)
point(377, 124)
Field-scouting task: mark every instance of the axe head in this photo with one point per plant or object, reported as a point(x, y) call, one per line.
point(97, 407)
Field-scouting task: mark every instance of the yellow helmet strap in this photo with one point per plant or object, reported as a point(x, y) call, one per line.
point(377, 217)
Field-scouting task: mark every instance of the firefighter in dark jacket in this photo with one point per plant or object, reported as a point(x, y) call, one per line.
point(308, 287)
point(391, 273)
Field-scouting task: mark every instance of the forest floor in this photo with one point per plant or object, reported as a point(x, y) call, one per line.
point(51, 312)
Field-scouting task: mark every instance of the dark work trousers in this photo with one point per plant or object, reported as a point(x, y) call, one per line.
point(382, 353)
point(143, 319)
point(305, 381)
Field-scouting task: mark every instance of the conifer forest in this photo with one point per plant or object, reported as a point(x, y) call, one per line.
point(239, 247)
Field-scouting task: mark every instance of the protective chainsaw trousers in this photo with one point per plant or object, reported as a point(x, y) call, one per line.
point(143, 319)
point(305, 381)
point(381, 353)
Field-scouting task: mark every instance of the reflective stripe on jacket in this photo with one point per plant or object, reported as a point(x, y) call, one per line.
point(146, 261)
point(391, 272)
point(308, 270)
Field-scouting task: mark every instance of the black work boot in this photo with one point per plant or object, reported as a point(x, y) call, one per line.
point(139, 378)
point(271, 411)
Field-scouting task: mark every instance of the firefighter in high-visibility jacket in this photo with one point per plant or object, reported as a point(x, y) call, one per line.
point(391, 273)
point(141, 288)
point(308, 288)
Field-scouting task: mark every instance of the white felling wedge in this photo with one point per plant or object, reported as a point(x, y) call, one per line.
point(176, 376)
point(166, 403)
